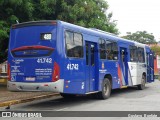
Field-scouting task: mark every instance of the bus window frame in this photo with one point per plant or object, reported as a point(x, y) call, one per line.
point(73, 41)
point(113, 41)
point(136, 60)
point(100, 39)
point(143, 57)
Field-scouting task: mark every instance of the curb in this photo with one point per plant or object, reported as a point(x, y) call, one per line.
point(13, 102)
point(3, 81)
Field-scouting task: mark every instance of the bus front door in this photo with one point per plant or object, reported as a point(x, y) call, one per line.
point(90, 66)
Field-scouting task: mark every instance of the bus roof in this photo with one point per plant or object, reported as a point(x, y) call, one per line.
point(93, 31)
point(34, 23)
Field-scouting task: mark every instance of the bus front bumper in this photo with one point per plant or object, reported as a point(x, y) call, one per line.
point(46, 86)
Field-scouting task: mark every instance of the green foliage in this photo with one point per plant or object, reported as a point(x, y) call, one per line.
point(156, 49)
point(87, 13)
point(4, 35)
point(141, 36)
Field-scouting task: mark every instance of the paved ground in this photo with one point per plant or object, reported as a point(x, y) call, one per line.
point(6, 95)
point(129, 99)
point(121, 99)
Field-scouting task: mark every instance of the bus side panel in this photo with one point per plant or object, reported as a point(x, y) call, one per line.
point(109, 68)
point(133, 73)
point(74, 76)
point(71, 70)
point(76, 87)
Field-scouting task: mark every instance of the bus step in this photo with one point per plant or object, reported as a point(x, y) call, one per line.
point(124, 86)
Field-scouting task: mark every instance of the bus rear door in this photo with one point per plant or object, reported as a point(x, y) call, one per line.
point(123, 65)
point(91, 66)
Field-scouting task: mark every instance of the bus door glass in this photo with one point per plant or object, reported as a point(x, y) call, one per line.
point(150, 67)
point(90, 66)
point(123, 65)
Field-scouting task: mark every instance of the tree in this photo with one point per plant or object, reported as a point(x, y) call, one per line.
point(156, 49)
point(87, 13)
point(10, 11)
point(141, 36)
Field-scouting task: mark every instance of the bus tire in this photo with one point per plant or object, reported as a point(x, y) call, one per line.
point(106, 89)
point(142, 85)
point(67, 96)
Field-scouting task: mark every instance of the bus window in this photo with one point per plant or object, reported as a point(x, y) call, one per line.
point(102, 49)
point(74, 44)
point(112, 50)
point(133, 54)
point(140, 53)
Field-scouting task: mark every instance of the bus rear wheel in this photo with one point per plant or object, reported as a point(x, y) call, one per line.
point(106, 89)
point(143, 81)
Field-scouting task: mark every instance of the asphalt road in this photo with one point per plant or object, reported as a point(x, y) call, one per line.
point(129, 99)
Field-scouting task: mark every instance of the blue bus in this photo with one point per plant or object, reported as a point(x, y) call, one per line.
point(61, 57)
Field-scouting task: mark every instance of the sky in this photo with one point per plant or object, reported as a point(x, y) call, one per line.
point(136, 15)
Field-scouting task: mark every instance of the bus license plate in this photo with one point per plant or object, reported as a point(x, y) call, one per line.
point(30, 78)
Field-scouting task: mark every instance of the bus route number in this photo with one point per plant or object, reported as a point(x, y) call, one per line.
point(44, 60)
point(72, 66)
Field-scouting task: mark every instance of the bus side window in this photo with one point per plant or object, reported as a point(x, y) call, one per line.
point(69, 43)
point(74, 44)
point(133, 54)
point(102, 48)
point(112, 50)
point(141, 58)
point(115, 51)
point(78, 42)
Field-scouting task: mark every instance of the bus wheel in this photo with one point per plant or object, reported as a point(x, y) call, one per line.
point(67, 96)
point(106, 89)
point(143, 81)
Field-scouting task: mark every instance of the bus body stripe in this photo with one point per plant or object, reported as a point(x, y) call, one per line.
point(120, 74)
